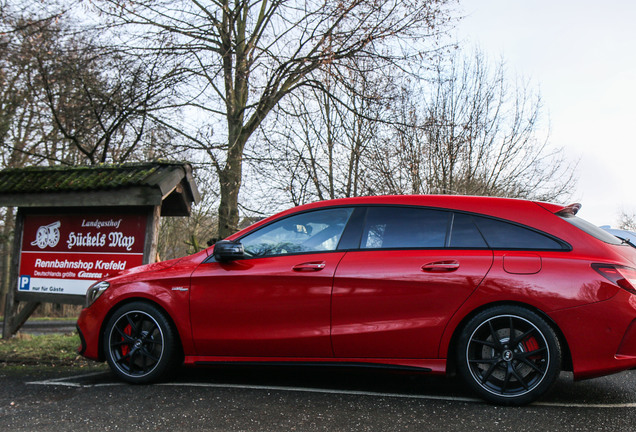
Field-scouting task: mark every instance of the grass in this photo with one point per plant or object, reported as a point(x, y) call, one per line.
point(50, 349)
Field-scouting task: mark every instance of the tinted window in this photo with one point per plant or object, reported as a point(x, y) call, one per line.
point(306, 232)
point(591, 229)
point(464, 233)
point(404, 227)
point(504, 235)
point(351, 236)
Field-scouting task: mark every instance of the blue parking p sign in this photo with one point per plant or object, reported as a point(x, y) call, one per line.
point(24, 283)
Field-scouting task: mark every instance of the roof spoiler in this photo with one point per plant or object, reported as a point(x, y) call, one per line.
point(570, 210)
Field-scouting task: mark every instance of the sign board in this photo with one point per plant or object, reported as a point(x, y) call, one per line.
point(67, 253)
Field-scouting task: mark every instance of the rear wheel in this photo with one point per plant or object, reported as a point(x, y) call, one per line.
point(509, 355)
point(140, 343)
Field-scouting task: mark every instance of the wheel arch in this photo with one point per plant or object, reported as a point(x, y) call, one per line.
point(451, 351)
point(126, 301)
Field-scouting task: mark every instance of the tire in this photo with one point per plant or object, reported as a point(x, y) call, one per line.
point(140, 343)
point(509, 355)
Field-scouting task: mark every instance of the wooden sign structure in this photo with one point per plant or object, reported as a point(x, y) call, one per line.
point(77, 225)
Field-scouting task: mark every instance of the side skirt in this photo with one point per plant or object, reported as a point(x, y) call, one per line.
point(433, 366)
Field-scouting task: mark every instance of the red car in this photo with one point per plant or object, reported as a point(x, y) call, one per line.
point(506, 292)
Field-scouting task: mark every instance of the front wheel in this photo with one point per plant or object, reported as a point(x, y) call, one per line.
point(140, 343)
point(509, 355)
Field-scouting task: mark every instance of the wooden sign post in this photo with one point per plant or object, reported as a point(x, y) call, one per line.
point(75, 226)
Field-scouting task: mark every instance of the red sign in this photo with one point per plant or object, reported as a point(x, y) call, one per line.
point(65, 254)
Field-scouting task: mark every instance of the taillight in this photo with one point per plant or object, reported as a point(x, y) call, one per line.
point(623, 276)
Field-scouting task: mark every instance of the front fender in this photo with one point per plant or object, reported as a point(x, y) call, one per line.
point(172, 296)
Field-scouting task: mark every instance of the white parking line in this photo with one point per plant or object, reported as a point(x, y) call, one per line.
point(585, 405)
point(320, 390)
point(63, 381)
point(66, 382)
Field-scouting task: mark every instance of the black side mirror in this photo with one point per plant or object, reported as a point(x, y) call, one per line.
point(225, 250)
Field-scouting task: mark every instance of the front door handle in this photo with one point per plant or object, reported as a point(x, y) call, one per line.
point(310, 266)
point(441, 266)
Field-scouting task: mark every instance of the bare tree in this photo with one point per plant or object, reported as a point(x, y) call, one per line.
point(21, 112)
point(179, 236)
point(627, 221)
point(99, 103)
point(314, 148)
point(73, 101)
point(239, 59)
point(475, 134)
point(464, 130)
point(21, 128)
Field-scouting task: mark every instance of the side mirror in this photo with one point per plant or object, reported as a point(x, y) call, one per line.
point(225, 250)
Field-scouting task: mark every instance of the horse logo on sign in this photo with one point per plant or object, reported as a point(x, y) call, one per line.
point(47, 235)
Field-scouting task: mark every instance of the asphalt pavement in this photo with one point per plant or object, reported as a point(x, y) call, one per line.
point(297, 399)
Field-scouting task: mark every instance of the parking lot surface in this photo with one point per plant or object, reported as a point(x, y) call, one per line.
point(297, 399)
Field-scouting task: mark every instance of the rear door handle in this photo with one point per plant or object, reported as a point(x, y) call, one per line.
point(310, 266)
point(441, 266)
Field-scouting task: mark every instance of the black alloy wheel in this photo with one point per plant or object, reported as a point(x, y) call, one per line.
point(509, 355)
point(139, 343)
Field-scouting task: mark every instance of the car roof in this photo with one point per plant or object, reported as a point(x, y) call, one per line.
point(519, 210)
point(443, 201)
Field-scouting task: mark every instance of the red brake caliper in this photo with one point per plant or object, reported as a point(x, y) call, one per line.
point(530, 344)
point(125, 349)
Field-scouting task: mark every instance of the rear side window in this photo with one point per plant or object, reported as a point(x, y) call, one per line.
point(404, 227)
point(503, 235)
point(464, 233)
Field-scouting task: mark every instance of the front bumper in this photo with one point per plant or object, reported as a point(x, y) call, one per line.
point(89, 326)
point(82, 347)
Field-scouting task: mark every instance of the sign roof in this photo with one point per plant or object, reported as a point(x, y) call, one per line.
point(135, 184)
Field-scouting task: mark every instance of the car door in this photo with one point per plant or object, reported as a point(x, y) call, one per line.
point(393, 297)
point(276, 301)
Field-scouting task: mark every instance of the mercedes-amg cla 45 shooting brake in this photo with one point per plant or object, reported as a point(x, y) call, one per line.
point(505, 292)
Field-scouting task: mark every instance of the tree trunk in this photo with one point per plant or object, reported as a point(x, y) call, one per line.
point(230, 184)
point(7, 251)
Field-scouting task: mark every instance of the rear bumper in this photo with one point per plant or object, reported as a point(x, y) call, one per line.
point(627, 347)
point(601, 336)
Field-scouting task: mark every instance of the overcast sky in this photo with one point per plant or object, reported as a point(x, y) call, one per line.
point(581, 55)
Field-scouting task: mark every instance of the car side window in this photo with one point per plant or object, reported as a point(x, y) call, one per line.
point(504, 235)
point(404, 227)
point(313, 231)
point(464, 233)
